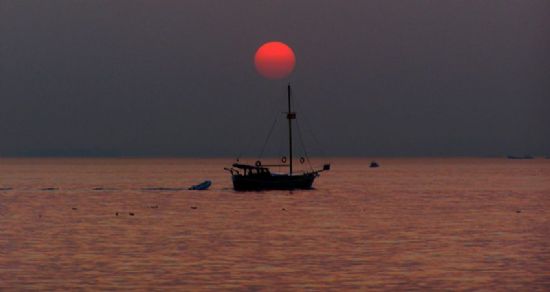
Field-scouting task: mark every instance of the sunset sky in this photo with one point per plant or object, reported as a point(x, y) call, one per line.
point(177, 77)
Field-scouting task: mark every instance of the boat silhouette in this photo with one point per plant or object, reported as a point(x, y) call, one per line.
point(520, 157)
point(260, 177)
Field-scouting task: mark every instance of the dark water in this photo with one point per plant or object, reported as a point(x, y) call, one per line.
point(410, 224)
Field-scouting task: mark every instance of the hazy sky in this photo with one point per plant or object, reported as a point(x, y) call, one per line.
point(177, 77)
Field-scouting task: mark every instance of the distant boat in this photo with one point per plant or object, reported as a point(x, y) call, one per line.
point(520, 157)
point(259, 177)
point(374, 164)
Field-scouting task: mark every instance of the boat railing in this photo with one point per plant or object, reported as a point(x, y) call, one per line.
point(232, 171)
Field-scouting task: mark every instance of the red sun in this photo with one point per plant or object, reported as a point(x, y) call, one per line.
point(274, 60)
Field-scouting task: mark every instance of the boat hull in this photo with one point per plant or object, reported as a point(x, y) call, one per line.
point(273, 182)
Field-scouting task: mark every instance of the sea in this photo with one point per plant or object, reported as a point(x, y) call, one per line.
point(411, 224)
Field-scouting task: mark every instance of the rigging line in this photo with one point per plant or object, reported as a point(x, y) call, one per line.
point(310, 128)
point(298, 106)
point(251, 138)
point(248, 143)
point(268, 136)
point(302, 142)
point(271, 103)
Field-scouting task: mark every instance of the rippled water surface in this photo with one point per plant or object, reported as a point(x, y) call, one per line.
point(410, 224)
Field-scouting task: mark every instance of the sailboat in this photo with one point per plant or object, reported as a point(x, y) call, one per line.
point(260, 177)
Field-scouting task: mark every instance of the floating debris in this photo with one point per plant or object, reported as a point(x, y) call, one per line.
point(103, 189)
point(6, 189)
point(49, 189)
point(162, 189)
point(131, 214)
point(194, 207)
point(74, 208)
point(283, 209)
point(518, 211)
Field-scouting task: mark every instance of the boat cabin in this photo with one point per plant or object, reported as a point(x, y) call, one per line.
point(252, 170)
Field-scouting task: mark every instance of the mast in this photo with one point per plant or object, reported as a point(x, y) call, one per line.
point(290, 116)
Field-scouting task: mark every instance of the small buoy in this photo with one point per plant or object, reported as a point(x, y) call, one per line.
point(131, 214)
point(116, 214)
